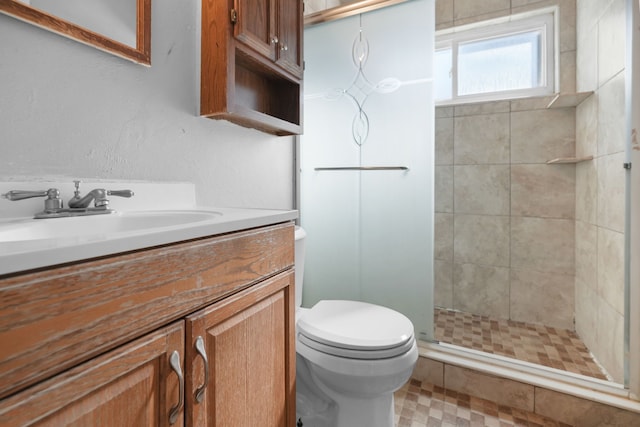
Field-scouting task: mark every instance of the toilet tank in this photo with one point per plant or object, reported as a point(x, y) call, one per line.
point(300, 236)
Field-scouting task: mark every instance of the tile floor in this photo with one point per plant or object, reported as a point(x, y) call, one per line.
point(556, 348)
point(419, 404)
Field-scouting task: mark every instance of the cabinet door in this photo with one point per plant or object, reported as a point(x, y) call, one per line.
point(249, 342)
point(132, 385)
point(255, 26)
point(290, 16)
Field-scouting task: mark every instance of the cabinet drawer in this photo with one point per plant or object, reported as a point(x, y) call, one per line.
point(54, 319)
point(132, 385)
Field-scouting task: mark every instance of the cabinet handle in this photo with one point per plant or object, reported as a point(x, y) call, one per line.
point(274, 40)
point(284, 47)
point(174, 361)
point(203, 353)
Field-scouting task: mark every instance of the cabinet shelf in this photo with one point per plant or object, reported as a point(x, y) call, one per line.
point(569, 160)
point(564, 100)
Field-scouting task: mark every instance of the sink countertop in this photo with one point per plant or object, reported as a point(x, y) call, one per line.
point(15, 258)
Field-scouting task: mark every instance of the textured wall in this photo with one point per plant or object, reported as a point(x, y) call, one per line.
point(70, 110)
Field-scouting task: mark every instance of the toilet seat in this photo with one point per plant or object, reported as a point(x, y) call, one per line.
point(355, 330)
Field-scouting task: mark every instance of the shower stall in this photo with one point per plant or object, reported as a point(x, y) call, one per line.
point(366, 162)
point(406, 207)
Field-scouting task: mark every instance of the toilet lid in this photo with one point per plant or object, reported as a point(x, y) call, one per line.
point(335, 327)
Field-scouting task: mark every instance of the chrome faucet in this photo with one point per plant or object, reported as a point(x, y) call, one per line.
point(78, 206)
point(98, 196)
point(52, 203)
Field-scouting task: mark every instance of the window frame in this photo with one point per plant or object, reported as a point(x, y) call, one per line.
point(544, 20)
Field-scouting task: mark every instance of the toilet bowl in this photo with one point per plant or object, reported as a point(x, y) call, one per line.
point(351, 357)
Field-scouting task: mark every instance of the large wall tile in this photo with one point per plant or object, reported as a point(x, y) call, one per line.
point(587, 191)
point(543, 190)
point(443, 238)
point(482, 139)
point(611, 184)
point(482, 108)
point(481, 189)
point(541, 135)
point(611, 267)
point(470, 8)
point(443, 189)
point(611, 41)
point(542, 298)
point(526, 104)
point(587, 254)
point(567, 72)
point(611, 116)
point(481, 239)
point(442, 112)
point(506, 392)
point(444, 141)
point(444, 13)
point(443, 287)
point(610, 348)
point(568, 22)
point(545, 245)
point(587, 58)
point(587, 127)
point(581, 412)
point(587, 302)
point(482, 290)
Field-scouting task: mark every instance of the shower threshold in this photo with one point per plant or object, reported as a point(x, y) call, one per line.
point(552, 347)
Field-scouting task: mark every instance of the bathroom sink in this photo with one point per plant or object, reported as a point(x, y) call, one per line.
point(27, 243)
point(98, 226)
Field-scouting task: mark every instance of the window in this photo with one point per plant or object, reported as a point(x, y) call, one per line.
point(498, 61)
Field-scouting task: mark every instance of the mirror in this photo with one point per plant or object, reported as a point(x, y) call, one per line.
point(120, 27)
point(327, 10)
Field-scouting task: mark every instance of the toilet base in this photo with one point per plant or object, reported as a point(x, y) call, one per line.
point(366, 412)
point(351, 411)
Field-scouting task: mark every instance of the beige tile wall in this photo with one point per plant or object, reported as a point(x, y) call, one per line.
point(521, 239)
point(600, 183)
point(505, 234)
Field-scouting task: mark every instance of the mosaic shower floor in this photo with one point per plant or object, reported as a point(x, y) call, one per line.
point(555, 348)
point(420, 404)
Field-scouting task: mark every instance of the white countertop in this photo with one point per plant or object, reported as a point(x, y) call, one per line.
point(17, 256)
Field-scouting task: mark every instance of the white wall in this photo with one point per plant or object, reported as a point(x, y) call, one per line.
point(70, 110)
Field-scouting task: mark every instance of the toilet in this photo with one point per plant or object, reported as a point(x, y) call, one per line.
point(350, 358)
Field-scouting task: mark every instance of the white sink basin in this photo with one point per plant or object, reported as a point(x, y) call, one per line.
point(27, 243)
point(98, 226)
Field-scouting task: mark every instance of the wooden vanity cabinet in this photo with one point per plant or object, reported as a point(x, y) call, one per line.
point(251, 359)
point(235, 291)
point(251, 63)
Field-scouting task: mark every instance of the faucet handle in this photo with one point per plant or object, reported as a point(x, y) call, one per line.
point(101, 200)
point(120, 193)
point(52, 203)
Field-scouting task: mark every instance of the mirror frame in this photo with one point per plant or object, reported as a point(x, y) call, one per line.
point(346, 10)
point(141, 54)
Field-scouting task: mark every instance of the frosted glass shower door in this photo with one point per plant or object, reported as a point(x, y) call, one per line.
point(367, 160)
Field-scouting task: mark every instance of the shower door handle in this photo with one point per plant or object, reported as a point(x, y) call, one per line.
point(365, 168)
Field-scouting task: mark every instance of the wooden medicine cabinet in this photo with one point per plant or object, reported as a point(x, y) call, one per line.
point(251, 63)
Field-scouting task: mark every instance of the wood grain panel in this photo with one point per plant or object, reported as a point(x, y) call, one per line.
point(130, 386)
point(52, 320)
point(250, 342)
